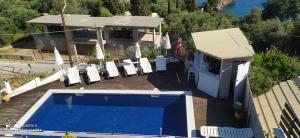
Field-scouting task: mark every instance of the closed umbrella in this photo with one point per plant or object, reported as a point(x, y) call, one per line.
point(58, 60)
point(137, 51)
point(99, 53)
point(7, 86)
point(167, 43)
point(180, 51)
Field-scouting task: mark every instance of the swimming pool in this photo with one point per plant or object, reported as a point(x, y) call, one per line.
point(113, 111)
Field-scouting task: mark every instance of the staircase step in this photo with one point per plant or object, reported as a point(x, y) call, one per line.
point(260, 115)
point(279, 95)
point(291, 97)
point(275, 106)
point(267, 111)
point(295, 86)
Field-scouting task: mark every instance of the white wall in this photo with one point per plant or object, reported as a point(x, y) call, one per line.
point(252, 117)
point(208, 83)
point(36, 83)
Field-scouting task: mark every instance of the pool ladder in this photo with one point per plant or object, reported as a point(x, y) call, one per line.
point(155, 95)
point(160, 132)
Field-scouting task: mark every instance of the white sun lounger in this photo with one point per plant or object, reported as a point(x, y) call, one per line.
point(145, 66)
point(129, 68)
point(161, 63)
point(73, 76)
point(112, 69)
point(92, 73)
point(226, 132)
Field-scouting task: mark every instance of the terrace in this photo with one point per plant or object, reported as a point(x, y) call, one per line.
point(207, 110)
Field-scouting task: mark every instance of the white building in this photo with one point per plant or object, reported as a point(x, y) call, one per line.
point(221, 62)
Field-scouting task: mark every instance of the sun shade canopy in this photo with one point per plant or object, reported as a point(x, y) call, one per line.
point(224, 44)
point(74, 20)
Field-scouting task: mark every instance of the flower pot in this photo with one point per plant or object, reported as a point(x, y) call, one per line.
point(5, 98)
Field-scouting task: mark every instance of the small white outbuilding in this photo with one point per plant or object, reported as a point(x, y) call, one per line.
point(221, 62)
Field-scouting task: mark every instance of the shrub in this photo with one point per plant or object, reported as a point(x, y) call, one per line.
point(269, 68)
point(104, 12)
point(149, 53)
point(260, 80)
point(280, 65)
point(68, 135)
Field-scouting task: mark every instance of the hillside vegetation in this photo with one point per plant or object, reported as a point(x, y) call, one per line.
point(274, 31)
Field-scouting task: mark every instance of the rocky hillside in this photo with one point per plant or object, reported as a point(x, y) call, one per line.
point(223, 4)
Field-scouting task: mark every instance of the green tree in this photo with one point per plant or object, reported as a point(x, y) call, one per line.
point(183, 23)
point(283, 9)
point(104, 12)
point(253, 17)
point(265, 34)
point(140, 7)
point(191, 5)
point(116, 7)
point(42, 6)
point(93, 6)
point(20, 16)
point(210, 5)
point(271, 67)
point(6, 27)
point(294, 44)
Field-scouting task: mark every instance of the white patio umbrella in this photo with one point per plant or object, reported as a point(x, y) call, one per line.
point(167, 43)
point(58, 60)
point(7, 86)
point(99, 53)
point(138, 53)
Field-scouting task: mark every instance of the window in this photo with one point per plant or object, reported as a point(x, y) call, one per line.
point(214, 64)
point(121, 33)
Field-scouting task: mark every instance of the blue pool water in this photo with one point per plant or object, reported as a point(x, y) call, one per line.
point(241, 7)
point(123, 114)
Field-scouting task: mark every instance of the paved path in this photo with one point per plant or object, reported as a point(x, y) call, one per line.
point(18, 67)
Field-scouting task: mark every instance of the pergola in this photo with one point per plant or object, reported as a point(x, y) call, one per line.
point(98, 23)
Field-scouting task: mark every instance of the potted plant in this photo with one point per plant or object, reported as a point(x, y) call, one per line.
point(68, 135)
point(5, 97)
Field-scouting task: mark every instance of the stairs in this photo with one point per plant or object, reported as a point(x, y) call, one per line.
point(269, 106)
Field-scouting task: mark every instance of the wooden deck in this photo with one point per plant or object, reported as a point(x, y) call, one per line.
point(270, 106)
point(208, 111)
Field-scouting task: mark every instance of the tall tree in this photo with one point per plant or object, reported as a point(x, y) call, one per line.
point(116, 7)
point(140, 7)
point(191, 5)
point(283, 9)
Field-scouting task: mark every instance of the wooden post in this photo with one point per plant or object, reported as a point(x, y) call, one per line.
point(34, 55)
point(66, 37)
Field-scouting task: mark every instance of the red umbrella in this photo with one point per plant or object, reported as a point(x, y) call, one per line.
point(179, 48)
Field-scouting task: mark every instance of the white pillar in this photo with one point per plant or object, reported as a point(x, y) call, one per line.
point(75, 52)
point(160, 29)
point(100, 38)
point(154, 37)
point(45, 29)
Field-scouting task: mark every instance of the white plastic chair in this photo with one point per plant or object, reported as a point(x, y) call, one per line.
point(212, 131)
point(92, 73)
point(129, 67)
point(112, 69)
point(161, 63)
point(191, 73)
point(145, 66)
point(73, 76)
